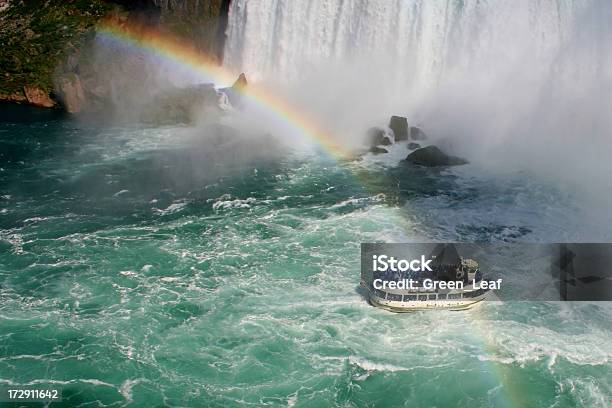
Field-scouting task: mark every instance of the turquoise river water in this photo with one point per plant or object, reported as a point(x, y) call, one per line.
point(141, 267)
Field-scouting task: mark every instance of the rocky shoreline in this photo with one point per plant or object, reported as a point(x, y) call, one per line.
point(45, 61)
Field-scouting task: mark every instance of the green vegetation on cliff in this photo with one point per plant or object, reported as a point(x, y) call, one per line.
point(36, 35)
point(43, 41)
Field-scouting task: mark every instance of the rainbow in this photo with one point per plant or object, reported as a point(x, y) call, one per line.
point(167, 46)
point(171, 48)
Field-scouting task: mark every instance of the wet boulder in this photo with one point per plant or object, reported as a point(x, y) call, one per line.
point(417, 133)
point(378, 150)
point(399, 126)
point(432, 156)
point(413, 146)
point(377, 137)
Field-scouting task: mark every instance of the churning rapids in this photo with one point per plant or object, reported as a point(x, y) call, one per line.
point(153, 266)
point(132, 272)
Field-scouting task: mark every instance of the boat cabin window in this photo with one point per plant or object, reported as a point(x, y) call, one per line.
point(410, 298)
point(441, 296)
point(454, 295)
point(422, 297)
point(432, 297)
point(394, 297)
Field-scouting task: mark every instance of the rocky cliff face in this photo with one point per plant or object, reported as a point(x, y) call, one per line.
point(201, 21)
point(35, 36)
point(43, 62)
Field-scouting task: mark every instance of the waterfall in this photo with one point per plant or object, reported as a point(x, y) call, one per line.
point(408, 49)
point(418, 40)
point(524, 78)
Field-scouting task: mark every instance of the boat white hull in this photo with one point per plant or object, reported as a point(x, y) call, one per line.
point(418, 305)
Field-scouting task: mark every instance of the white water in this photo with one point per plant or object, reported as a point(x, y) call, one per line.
point(419, 41)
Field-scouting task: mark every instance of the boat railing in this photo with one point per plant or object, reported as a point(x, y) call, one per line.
point(397, 297)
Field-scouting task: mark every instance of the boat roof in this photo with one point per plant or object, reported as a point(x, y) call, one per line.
point(445, 254)
point(470, 263)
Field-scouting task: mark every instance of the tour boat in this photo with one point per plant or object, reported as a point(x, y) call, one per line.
point(425, 297)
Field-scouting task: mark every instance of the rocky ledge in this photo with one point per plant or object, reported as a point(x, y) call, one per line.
point(182, 105)
point(432, 156)
point(378, 140)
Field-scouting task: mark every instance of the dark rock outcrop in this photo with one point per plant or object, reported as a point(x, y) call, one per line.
point(432, 156)
point(377, 137)
point(234, 93)
point(378, 150)
point(202, 22)
point(399, 126)
point(183, 105)
point(37, 97)
point(241, 83)
point(413, 146)
point(417, 133)
point(17, 97)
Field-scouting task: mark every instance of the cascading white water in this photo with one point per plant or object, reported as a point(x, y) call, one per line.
point(400, 51)
point(417, 41)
